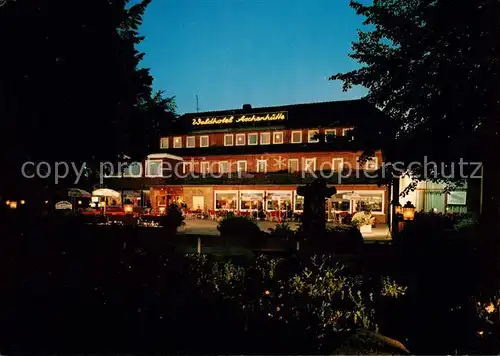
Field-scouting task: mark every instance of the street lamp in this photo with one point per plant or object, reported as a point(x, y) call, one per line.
point(408, 211)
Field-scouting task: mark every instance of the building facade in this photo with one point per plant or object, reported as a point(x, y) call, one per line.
point(253, 160)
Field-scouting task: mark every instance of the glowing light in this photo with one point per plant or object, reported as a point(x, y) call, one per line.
point(22, 202)
point(128, 208)
point(13, 204)
point(408, 211)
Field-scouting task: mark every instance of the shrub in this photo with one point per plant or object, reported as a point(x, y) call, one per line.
point(283, 231)
point(234, 226)
point(360, 219)
point(344, 239)
point(174, 218)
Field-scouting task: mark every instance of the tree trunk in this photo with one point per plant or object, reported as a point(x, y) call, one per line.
point(394, 201)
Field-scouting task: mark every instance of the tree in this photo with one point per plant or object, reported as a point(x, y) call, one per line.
point(432, 66)
point(72, 88)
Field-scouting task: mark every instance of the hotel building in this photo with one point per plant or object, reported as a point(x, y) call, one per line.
point(253, 159)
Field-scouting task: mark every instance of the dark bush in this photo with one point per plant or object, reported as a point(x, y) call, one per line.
point(233, 226)
point(283, 231)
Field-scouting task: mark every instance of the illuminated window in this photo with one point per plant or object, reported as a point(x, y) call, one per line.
point(204, 167)
point(329, 134)
point(337, 164)
point(154, 168)
point(310, 164)
point(203, 141)
point(242, 166)
point(277, 137)
point(177, 142)
point(223, 167)
point(293, 165)
point(187, 167)
point(253, 139)
point(372, 164)
point(190, 141)
point(228, 140)
point(261, 166)
point(311, 136)
point(265, 138)
point(296, 136)
point(240, 139)
point(164, 142)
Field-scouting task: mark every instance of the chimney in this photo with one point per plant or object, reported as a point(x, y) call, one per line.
point(247, 107)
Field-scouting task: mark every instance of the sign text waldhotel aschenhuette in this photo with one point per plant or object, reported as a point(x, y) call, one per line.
point(234, 119)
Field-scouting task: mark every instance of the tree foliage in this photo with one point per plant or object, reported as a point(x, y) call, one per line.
point(430, 65)
point(72, 88)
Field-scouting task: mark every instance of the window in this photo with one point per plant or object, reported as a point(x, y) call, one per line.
point(296, 136)
point(253, 139)
point(293, 165)
point(203, 141)
point(204, 167)
point(279, 201)
point(228, 140)
point(310, 164)
point(190, 141)
point(225, 200)
point(311, 136)
point(164, 142)
point(372, 164)
point(277, 137)
point(177, 142)
point(154, 168)
point(240, 139)
point(223, 167)
point(346, 132)
point(261, 166)
point(330, 134)
point(242, 166)
point(251, 200)
point(299, 202)
point(187, 167)
point(337, 164)
point(265, 138)
point(134, 170)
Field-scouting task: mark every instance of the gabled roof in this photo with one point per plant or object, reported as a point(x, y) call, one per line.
point(321, 114)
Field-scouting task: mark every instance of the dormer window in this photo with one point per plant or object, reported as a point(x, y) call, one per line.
point(312, 136)
point(204, 141)
point(190, 142)
point(277, 137)
point(296, 136)
point(347, 132)
point(240, 139)
point(228, 140)
point(329, 134)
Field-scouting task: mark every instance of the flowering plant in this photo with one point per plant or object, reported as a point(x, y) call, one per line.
point(361, 218)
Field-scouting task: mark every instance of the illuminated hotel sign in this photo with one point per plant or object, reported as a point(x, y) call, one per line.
point(235, 119)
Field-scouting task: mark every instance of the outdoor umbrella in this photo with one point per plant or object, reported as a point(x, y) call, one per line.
point(106, 193)
point(78, 193)
point(63, 205)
